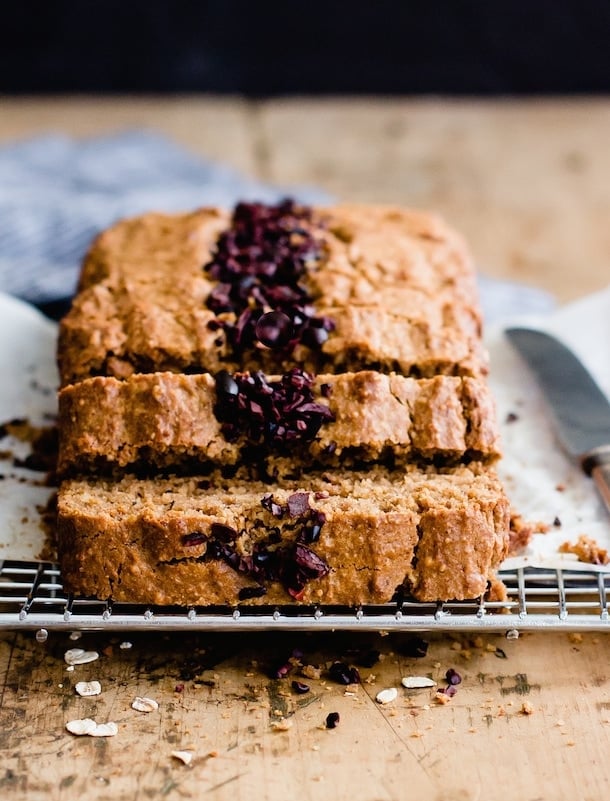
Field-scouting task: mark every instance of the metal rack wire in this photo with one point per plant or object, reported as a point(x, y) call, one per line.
point(32, 598)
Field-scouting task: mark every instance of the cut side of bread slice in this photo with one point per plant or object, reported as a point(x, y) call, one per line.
point(334, 538)
point(170, 420)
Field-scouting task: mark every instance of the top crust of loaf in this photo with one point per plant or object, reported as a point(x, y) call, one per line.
point(398, 284)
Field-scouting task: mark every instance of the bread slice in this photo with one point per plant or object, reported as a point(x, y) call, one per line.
point(335, 538)
point(396, 289)
point(186, 422)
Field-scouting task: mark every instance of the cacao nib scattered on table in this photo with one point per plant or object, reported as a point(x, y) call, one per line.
point(332, 720)
point(363, 657)
point(414, 647)
point(453, 677)
point(344, 674)
point(274, 413)
point(258, 264)
point(300, 687)
point(283, 670)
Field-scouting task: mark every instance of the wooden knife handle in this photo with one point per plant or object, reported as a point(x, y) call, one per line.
point(597, 464)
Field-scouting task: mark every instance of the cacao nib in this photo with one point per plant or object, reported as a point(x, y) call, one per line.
point(300, 687)
point(258, 264)
point(312, 565)
point(292, 564)
point(283, 670)
point(414, 647)
point(226, 384)
point(270, 505)
point(344, 674)
point(194, 538)
point(298, 504)
point(366, 658)
point(223, 533)
point(332, 720)
point(251, 592)
point(453, 677)
point(311, 534)
point(274, 329)
point(273, 413)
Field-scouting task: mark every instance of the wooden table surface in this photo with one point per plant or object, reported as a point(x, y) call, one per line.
point(529, 184)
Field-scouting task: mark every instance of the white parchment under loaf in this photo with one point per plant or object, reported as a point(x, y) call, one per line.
point(28, 387)
point(542, 483)
point(533, 466)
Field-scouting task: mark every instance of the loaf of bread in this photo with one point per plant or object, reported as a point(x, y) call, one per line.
point(282, 405)
point(189, 422)
point(338, 538)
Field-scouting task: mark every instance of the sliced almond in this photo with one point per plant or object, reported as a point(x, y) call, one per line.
point(87, 688)
point(80, 727)
point(387, 696)
point(78, 656)
point(144, 704)
point(417, 682)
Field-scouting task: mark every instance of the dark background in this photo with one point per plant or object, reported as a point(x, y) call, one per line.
point(477, 47)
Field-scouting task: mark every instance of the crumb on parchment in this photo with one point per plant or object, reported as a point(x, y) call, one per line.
point(522, 531)
point(587, 550)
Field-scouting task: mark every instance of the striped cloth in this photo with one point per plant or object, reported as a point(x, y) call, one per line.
point(57, 193)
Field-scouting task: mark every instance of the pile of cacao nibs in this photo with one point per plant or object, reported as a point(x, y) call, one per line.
point(259, 264)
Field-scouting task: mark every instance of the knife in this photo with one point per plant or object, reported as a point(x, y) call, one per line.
point(581, 410)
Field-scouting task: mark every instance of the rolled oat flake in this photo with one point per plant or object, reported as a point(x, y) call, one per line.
point(184, 756)
point(88, 688)
point(105, 730)
point(387, 696)
point(417, 682)
point(78, 656)
point(144, 704)
point(81, 727)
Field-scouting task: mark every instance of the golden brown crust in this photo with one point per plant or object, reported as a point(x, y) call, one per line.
point(168, 420)
point(440, 536)
point(141, 305)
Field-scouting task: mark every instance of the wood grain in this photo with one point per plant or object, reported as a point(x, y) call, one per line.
point(217, 699)
point(528, 182)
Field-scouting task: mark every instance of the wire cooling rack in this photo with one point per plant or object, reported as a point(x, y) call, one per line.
point(32, 597)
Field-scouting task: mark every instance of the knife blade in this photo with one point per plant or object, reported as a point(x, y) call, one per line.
point(580, 408)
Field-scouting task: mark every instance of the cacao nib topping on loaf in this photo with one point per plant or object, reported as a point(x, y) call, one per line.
point(275, 413)
point(259, 263)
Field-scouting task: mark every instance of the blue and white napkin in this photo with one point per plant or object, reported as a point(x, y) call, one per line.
point(57, 193)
